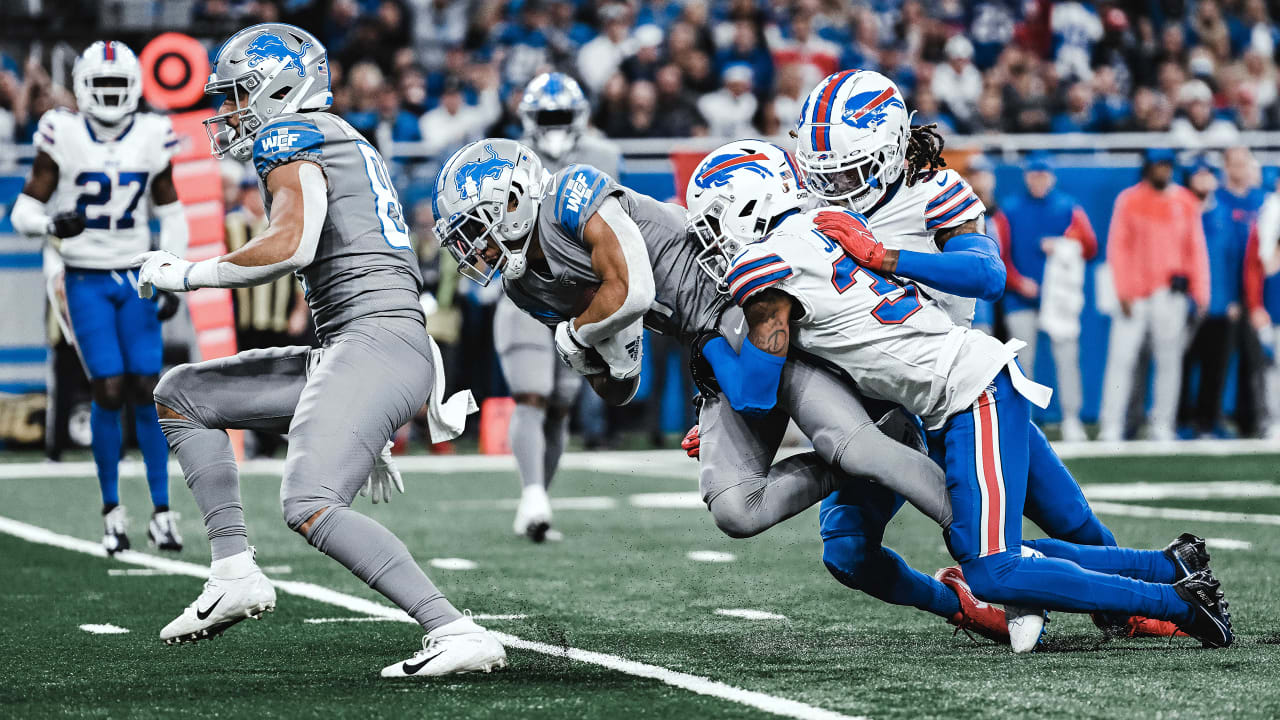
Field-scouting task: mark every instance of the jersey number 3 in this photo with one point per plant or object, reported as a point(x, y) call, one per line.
point(100, 195)
point(844, 275)
point(389, 212)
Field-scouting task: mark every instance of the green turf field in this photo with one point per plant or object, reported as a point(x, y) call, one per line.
point(621, 584)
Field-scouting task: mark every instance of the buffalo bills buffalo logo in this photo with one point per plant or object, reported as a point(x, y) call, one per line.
point(720, 168)
point(270, 47)
point(870, 109)
point(470, 176)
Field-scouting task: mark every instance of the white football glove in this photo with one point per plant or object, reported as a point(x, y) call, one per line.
point(384, 476)
point(160, 270)
point(573, 352)
point(623, 351)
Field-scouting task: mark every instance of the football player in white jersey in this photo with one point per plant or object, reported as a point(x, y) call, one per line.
point(554, 114)
point(99, 176)
point(857, 148)
point(798, 287)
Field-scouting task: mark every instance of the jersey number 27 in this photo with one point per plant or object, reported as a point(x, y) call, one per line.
point(98, 191)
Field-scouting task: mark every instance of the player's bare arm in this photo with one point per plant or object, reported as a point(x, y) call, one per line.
point(163, 191)
point(610, 265)
point(283, 236)
point(44, 178)
point(769, 316)
point(622, 263)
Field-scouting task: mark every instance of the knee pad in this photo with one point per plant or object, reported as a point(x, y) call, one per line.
point(846, 559)
point(108, 393)
point(168, 390)
point(141, 389)
point(732, 513)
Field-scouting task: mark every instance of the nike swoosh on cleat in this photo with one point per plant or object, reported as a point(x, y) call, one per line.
point(412, 669)
point(202, 614)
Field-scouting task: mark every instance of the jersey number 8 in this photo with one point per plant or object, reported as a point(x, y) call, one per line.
point(390, 214)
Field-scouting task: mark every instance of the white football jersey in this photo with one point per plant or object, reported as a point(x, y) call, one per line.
point(907, 217)
point(894, 343)
point(108, 182)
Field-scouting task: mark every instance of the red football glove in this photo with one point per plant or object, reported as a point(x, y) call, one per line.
point(854, 237)
point(692, 443)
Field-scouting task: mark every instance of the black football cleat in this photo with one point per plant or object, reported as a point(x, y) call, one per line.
point(1189, 554)
point(1211, 623)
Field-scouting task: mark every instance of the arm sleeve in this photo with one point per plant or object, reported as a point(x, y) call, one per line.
point(28, 216)
point(748, 379)
point(173, 228)
point(1081, 231)
point(1119, 252)
point(315, 205)
point(969, 266)
point(1253, 274)
point(640, 286)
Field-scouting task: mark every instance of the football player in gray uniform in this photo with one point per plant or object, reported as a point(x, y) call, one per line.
point(554, 113)
point(337, 223)
point(594, 260)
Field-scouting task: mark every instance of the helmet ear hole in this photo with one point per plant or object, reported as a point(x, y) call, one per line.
point(748, 208)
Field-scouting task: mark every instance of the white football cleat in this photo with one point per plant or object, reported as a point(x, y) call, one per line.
point(236, 590)
point(162, 531)
point(114, 538)
point(1073, 430)
point(459, 647)
point(1026, 625)
point(533, 517)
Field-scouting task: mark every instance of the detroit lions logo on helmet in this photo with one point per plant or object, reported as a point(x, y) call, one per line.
point(870, 109)
point(270, 47)
point(470, 175)
point(720, 169)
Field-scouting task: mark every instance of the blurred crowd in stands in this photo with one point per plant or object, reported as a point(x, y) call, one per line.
point(447, 70)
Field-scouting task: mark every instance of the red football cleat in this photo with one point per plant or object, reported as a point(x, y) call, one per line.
point(975, 615)
point(692, 443)
point(1139, 626)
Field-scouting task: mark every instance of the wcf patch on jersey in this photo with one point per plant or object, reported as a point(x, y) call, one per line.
point(278, 140)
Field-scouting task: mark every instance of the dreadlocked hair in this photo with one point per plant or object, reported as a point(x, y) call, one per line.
point(924, 152)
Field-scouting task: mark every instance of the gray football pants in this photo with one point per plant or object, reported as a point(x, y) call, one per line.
point(748, 493)
point(339, 406)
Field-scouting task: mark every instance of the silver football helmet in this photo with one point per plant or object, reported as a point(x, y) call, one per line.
point(267, 70)
point(553, 111)
point(488, 190)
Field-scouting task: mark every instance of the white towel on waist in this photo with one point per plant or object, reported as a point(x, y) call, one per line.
point(446, 419)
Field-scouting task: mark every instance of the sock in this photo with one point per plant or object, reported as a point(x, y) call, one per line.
point(379, 558)
point(105, 425)
point(528, 443)
point(1055, 584)
point(155, 452)
point(557, 434)
point(210, 468)
point(884, 575)
point(1149, 565)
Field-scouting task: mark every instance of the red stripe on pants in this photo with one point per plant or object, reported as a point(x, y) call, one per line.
point(991, 526)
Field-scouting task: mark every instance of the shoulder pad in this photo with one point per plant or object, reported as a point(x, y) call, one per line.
point(754, 269)
point(951, 201)
point(285, 139)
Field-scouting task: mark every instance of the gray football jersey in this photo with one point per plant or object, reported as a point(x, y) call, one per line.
point(687, 300)
point(364, 264)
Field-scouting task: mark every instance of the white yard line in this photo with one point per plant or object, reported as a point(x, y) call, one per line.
point(1228, 544)
point(360, 619)
point(1167, 513)
point(648, 463)
point(1187, 490)
point(104, 629)
point(693, 683)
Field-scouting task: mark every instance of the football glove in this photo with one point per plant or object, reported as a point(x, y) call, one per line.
point(65, 224)
point(160, 270)
point(692, 442)
point(384, 476)
point(853, 236)
point(575, 353)
point(167, 305)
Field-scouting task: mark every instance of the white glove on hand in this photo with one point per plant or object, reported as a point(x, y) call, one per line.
point(573, 352)
point(623, 352)
point(160, 270)
point(384, 476)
